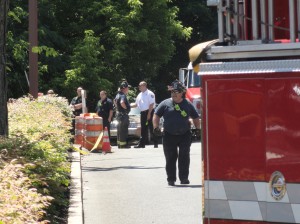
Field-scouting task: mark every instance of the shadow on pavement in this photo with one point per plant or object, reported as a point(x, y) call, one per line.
point(188, 186)
point(88, 169)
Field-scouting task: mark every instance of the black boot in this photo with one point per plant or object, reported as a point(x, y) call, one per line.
point(139, 146)
point(124, 147)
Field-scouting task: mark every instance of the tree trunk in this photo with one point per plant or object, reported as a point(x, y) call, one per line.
point(3, 81)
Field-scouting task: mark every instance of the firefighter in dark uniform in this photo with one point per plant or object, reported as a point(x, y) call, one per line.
point(123, 108)
point(76, 106)
point(176, 112)
point(104, 109)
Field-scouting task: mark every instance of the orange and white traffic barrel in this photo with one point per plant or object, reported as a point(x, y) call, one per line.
point(93, 127)
point(79, 127)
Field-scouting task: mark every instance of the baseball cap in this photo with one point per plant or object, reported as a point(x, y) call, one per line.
point(50, 91)
point(176, 86)
point(124, 85)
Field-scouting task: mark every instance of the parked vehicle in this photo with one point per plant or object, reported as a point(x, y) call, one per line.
point(134, 129)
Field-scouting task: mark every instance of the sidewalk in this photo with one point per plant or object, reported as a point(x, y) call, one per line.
point(75, 213)
point(129, 186)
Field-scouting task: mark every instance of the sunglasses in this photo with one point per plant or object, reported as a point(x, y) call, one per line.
point(176, 91)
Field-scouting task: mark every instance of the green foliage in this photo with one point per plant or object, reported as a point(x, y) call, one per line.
point(39, 140)
point(47, 50)
point(59, 102)
point(140, 35)
point(20, 202)
point(137, 38)
point(87, 65)
point(99, 42)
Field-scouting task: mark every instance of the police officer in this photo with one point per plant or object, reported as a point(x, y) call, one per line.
point(76, 103)
point(104, 109)
point(123, 108)
point(76, 106)
point(176, 112)
point(145, 101)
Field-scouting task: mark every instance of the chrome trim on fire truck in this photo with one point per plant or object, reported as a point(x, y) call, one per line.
point(245, 200)
point(216, 68)
point(253, 51)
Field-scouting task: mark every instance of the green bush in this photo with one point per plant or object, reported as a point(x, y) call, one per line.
point(38, 141)
point(20, 202)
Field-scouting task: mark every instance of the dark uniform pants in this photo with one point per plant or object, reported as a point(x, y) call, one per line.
point(122, 129)
point(170, 144)
point(106, 123)
point(146, 125)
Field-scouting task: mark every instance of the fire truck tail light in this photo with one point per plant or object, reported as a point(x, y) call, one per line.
point(198, 105)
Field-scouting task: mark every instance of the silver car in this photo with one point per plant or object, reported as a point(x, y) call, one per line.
point(134, 129)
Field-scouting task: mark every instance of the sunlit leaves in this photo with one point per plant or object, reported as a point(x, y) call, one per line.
point(36, 157)
point(87, 65)
point(20, 203)
point(47, 50)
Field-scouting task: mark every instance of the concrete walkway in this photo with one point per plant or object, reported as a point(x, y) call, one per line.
point(75, 212)
point(129, 186)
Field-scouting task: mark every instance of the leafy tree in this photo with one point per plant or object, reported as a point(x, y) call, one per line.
point(3, 82)
point(139, 36)
point(137, 39)
point(87, 64)
point(203, 20)
point(17, 48)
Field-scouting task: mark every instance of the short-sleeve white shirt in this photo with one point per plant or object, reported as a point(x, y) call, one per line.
point(145, 99)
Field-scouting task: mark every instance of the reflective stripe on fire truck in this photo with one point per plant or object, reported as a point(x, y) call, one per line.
point(251, 201)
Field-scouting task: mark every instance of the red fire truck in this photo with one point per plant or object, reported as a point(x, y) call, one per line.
point(251, 113)
point(192, 82)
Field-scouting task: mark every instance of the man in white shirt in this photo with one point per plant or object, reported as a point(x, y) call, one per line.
point(145, 101)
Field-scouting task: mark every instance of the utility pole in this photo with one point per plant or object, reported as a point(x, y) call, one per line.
point(3, 81)
point(33, 42)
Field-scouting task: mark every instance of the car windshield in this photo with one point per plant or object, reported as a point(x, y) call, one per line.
point(135, 111)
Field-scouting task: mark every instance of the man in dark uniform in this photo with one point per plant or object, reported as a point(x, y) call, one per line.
point(76, 105)
point(176, 112)
point(123, 108)
point(104, 109)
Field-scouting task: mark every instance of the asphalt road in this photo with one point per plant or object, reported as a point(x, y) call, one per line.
point(129, 186)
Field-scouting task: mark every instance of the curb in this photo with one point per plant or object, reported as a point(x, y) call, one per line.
point(75, 211)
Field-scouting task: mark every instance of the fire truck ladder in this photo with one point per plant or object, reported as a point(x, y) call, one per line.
point(246, 30)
